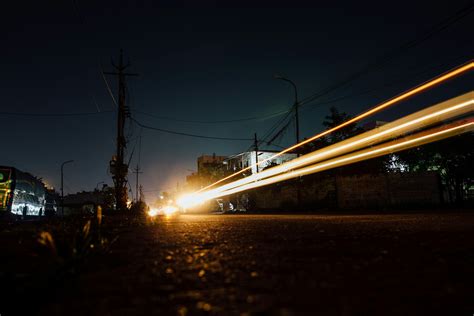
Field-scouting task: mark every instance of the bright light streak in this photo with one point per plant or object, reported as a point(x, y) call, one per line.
point(405, 95)
point(192, 200)
point(170, 210)
point(166, 210)
point(426, 117)
point(153, 212)
point(380, 150)
point(189, 200)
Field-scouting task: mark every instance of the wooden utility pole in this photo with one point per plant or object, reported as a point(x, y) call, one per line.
point(118, 168)
point(137, 172)
point(255, 144)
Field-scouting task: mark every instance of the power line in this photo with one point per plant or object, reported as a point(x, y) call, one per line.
point(384, 59)
point(276, 125)
point(168, 118)
point(364, 92)
point(281, 132)
point(273, 144)
point(378, 63)
point(272, 129)
point(107, 85)
point(275, 114)
point(187, 134)
point(389, 84)
point(53, 114)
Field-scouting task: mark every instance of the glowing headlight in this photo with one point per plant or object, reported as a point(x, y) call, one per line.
point(169, 209)
point(190, 200)
point(153, 212)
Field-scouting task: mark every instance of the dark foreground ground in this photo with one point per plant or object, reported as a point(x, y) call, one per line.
point(419, 264)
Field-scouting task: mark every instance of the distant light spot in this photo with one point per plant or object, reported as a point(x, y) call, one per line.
point(204, 306)
point(182, 311)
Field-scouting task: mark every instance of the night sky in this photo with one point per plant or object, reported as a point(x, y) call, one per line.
point(203, 63)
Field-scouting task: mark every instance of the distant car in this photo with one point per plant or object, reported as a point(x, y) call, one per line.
point(229, 207)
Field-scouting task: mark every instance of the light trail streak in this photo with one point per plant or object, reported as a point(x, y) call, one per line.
point(418, 139)
point(435, 114)
point(383, 105)
point(424, 118)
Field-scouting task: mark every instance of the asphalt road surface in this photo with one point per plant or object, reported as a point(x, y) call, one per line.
point(411, 264)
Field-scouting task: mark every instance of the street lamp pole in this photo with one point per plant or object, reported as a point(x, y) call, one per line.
point(295, 105)
point(62, 185)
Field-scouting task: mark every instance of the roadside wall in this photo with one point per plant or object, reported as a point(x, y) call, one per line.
point(396, 190)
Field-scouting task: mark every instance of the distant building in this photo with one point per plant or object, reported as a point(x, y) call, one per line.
point(83, 202)
point(249, 158)
point(211, 168)
point(206, 163)
point(193, 181)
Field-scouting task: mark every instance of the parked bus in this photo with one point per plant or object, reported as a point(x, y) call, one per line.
point(21, 194)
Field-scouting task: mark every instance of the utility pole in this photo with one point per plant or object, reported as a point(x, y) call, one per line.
point(137, 172)
point(141, 192)
point(297, 120)
point(255, 144)
point(118, 168)
point(297, 123)
point(62, 185)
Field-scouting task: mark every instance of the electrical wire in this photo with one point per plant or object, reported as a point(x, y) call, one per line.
point(281, 132)
point(53, 114)
point(275, 126)
point(387, 85)
point(386, 58)
point(272, 129)
point(303, 105)
point(187, 134)
point(364, 92)
point(253, 118)
point(107, 85)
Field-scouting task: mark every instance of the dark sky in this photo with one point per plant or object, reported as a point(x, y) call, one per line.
point(203, 62)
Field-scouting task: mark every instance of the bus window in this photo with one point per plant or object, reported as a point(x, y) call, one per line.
point(3, 175)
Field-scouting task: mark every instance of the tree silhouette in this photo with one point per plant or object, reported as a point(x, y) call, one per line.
point(452, 158)
point(336, 118)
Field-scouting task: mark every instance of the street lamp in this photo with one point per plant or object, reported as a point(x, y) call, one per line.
point(62, 185)
point(295, 105)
